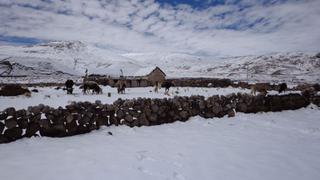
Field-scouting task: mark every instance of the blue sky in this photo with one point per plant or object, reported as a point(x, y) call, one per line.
point(194, 3)
point(207, 27)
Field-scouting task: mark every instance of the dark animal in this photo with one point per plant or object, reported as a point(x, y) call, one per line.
point(14, 90)
point(282, 87)
point(122, 89)
point(91, 85)
point(69, 86)
point(167, 85)
point(121, 86)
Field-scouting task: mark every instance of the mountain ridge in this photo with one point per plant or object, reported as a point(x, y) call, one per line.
point(72, 58)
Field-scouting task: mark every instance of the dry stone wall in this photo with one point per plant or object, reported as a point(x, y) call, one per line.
point(83, 117)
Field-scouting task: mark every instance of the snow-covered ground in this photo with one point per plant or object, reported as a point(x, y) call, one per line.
point(55, 98)
point(282, 145)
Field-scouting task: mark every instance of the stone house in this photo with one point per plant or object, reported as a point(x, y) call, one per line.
point(151, 74)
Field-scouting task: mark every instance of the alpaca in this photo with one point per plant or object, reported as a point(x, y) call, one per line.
point(91, 85)
point(69, 86)
point(282, 87)
point(167, 85)
point(260, 88)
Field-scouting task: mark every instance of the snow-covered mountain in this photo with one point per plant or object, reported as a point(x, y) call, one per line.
point(275, 67)
point(68, 57)
point(72, 58)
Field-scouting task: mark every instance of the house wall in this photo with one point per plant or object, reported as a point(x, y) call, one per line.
point(144, 83)
point(134, 83)
point(156, 76)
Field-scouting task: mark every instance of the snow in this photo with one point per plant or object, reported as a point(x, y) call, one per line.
point(75, 57)
point(145, 71)
point(282, 145)
point(55, 98)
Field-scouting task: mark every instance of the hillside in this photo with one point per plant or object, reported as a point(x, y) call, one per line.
point(276, 67)
point(55, 61)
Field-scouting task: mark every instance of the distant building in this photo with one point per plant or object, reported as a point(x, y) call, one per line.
point(151, 74)
point(144, 77)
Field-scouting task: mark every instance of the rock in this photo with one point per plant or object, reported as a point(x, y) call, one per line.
point(21, 113)
point(3, 116)
point(82, 130)
point(153, 117)
point(143, 121)
point(71, 108)
point(216, 109)
point(35, 118)
point(231, 113)
point(155, 108)
point(55, 131)
point(45, 123)
point(2, 126)
point(242, 107)
point(49, 116)
point(3, 139)
point(316, 100)
point(41, 107)
point(13, 133)
point(36, 110)
point(147, 111)
point(69, 118)
point(202, 105)
point(120, 114)
point(128, 118)
point(98, 102)
point(72, 128)
point(184, 114)
point(32, 129)
point(84, 120)
point(22, 123)
point(101, 121)
point(59, 127)
point(11, 123)
point(11, 111)
point(308, 93)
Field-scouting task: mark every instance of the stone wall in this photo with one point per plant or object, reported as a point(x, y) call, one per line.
point(83, 117)
point(201, 82)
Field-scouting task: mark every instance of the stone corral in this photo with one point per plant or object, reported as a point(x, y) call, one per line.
point(83, 117)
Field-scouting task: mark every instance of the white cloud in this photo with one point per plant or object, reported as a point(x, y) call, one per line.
point(140, 26)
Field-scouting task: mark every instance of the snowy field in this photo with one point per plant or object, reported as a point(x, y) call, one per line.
point(56, 98)
point(282, 145)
